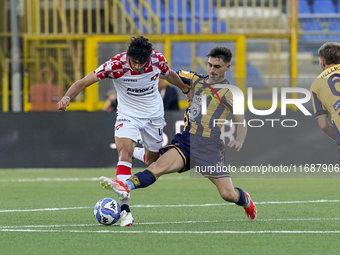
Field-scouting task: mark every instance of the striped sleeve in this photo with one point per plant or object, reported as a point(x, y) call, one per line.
point(318, 107)
point(186, 76)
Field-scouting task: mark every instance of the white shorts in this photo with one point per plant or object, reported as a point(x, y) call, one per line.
point(151, 130)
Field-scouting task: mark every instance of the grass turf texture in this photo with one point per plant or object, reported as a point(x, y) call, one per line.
point(180, 229)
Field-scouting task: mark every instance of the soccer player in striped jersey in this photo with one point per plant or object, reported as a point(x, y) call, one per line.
point(135, 75)
point(325, 91)
point(199, 144)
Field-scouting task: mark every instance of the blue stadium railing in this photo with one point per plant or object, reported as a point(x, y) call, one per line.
point(319, 20)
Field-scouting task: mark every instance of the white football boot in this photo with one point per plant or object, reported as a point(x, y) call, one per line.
point(126, 219)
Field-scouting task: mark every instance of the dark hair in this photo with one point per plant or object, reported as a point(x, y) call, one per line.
point(330, 52)
point(139, 49)
point(223, 53)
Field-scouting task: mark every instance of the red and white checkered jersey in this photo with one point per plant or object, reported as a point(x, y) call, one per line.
point(137, 92)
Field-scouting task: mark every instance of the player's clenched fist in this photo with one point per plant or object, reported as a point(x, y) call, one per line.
point(63, 103)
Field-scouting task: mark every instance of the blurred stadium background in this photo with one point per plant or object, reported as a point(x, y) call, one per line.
point(274, 42)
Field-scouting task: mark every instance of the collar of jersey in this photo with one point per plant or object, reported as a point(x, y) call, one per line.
point(205, 81)
point(326, 70)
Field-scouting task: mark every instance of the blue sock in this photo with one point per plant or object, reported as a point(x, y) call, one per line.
point(130, 185)
point(242, 200)
point(141, 179)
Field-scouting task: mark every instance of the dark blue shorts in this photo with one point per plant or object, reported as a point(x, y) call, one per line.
point(204, 154)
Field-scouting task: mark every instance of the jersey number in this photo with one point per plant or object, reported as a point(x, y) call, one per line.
point(331, 83)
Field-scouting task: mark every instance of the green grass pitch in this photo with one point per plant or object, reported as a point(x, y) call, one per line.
point(50, 211)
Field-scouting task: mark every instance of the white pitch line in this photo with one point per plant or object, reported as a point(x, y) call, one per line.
point(178, 232)
point(41, 179)
point(167, 206)
point(221, 221)
point(76, 179)
point(170, 222)
point(297, 202)
point(44, 209)
point(50, 170)
point(223, 204)
point(53, 226)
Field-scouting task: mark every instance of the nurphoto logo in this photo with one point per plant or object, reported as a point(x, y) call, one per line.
point(238, 105)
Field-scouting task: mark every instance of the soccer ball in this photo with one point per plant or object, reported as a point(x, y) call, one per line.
point(107, 211)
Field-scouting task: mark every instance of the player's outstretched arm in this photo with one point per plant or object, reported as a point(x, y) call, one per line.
point(173, 78)
point(75, 89)
point(326, 127)
point(241, 133)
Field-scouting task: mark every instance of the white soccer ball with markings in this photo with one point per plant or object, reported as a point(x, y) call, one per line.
point(107, 211)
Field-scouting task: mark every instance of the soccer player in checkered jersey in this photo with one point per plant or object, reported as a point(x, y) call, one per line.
point(325, 91)
point(135, 74)
point(199, 144)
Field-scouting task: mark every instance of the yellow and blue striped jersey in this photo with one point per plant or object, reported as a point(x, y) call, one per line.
point(219, 103)
point(325, 92)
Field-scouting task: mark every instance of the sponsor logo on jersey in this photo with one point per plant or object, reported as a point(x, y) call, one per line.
point(119, 126)
point(336, 106)
point(130, 80)
point(123, 120)
point(153, 78)
point(140, 92)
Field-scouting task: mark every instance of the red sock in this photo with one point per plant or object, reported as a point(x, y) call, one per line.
point(123, 170)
